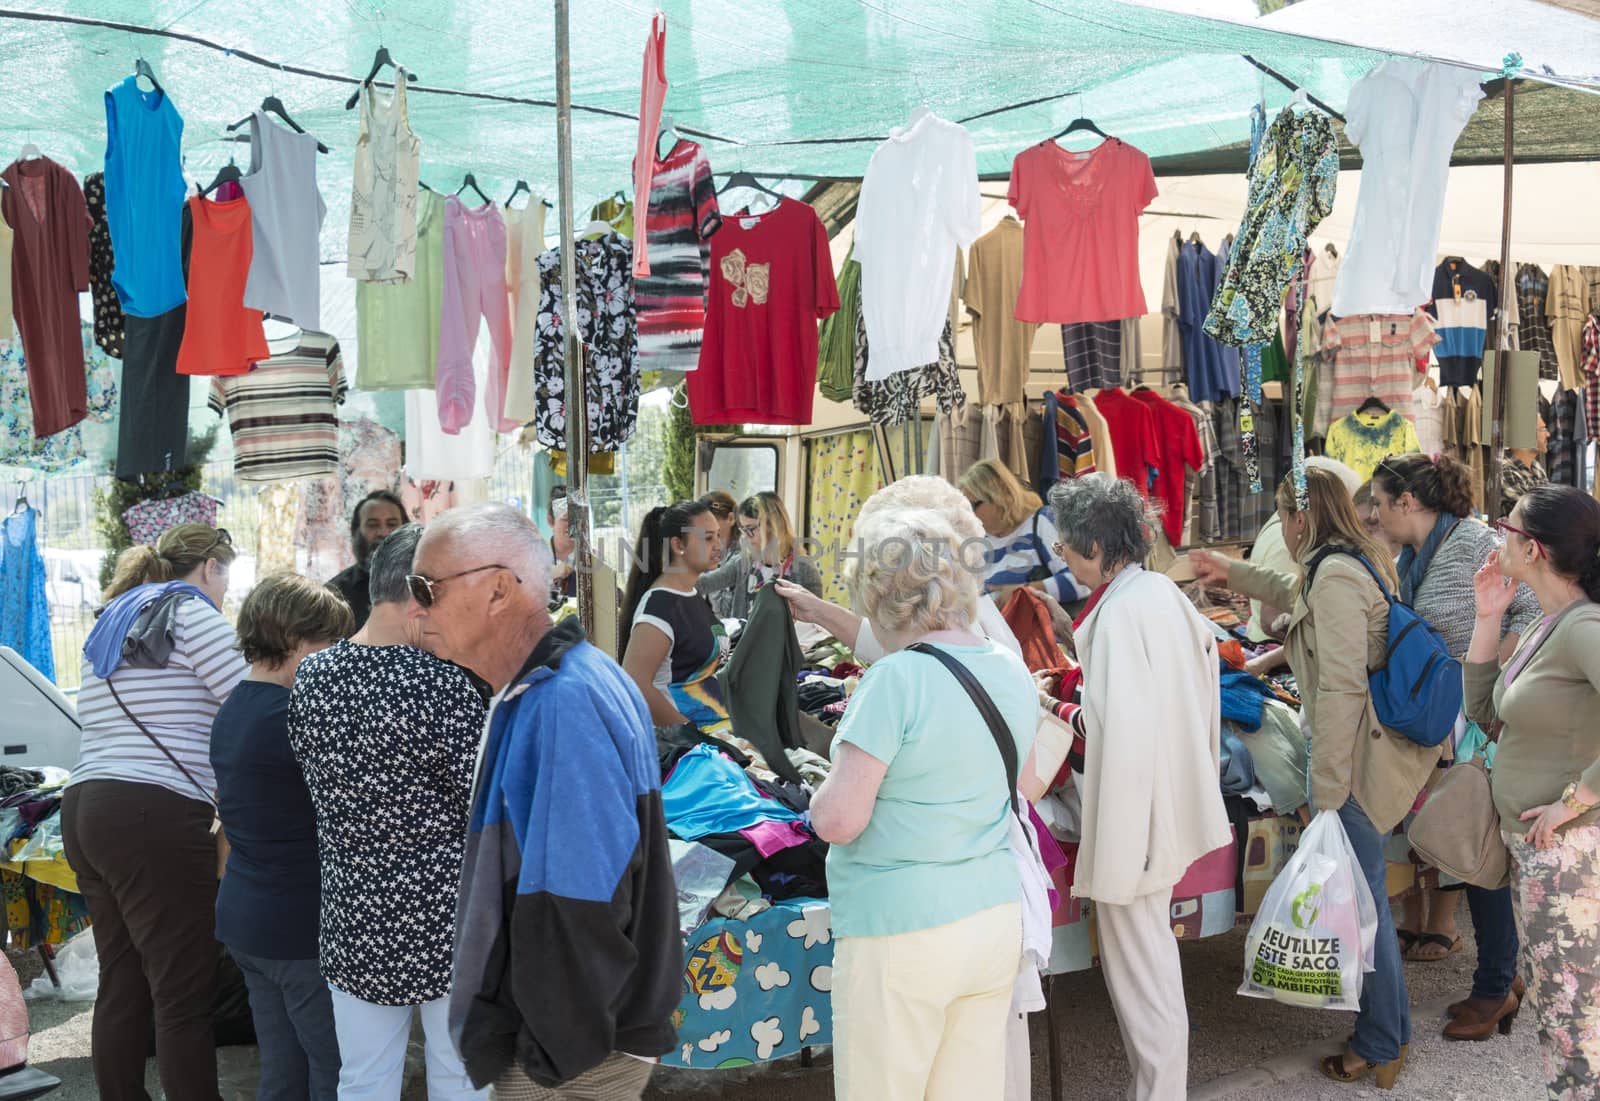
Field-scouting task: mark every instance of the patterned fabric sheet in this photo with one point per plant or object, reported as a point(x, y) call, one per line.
point(756, 990)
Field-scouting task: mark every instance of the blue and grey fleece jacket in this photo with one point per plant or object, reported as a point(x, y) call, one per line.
point(567, 943)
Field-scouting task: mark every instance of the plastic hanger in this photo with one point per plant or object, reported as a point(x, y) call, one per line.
point(522, 188)
point(379, 60)
point(668, 127)
point(274, 105)
point(141, 68)
point(742, 178)
point(228, 172)
point(29, 152)
point(469, 180)
point(1078, 124)
point(1373, 404)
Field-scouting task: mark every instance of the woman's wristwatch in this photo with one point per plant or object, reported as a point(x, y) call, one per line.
point(1569, 799)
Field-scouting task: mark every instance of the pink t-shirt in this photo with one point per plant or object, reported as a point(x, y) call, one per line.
point(1080, 219)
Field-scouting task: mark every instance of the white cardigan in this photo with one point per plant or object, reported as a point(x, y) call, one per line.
point(1152, 710)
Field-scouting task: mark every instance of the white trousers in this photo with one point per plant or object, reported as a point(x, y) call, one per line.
point(1139, 956)
point(372, 1050)
point(1019, 1059)
point(922, 1016)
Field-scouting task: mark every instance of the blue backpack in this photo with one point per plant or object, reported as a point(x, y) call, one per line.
point(1417, 690)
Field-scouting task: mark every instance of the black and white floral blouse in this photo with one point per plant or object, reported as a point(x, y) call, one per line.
point(387, 737)
point(608, 324)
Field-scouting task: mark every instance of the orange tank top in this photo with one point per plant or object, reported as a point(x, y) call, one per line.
point(221, 336)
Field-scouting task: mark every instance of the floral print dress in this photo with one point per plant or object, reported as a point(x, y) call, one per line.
point(1292, 183)
point(609, 326)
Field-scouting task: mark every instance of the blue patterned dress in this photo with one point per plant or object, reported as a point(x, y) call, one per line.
point(24, 609)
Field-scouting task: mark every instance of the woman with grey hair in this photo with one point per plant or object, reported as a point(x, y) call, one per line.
point(387, 736)
point(924, 889)
point(1151, 805)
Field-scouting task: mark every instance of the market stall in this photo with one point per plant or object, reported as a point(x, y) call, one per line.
point(316, 328)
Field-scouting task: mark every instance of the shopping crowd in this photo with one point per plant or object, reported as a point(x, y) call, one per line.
point(415, 791)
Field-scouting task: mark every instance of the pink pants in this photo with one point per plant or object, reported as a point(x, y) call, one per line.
point(474, 287)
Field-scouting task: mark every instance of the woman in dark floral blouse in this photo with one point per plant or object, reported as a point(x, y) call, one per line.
point(387, 735)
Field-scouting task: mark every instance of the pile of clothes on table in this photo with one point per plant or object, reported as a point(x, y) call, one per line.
point(42, 904)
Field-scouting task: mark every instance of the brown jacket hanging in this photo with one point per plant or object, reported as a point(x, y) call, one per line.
point(49, 266)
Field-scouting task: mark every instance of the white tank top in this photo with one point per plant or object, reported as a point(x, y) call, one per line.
point(286, 212)
point(383, 195)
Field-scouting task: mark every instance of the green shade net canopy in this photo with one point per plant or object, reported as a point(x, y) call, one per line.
point(803, 89)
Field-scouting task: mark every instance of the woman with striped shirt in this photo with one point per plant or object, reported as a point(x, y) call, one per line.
point(1020, 534)
point(136, 820)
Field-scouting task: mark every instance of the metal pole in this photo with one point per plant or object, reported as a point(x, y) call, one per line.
point(576, 386)
point(1492, 481)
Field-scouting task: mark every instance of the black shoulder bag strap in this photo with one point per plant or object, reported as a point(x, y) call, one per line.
point(991, 715)
point(159, 745)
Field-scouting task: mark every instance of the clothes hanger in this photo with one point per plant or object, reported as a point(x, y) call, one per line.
point(742, 178)
point(669, 126)
point(274, 105)
point(141, 68)
point(379, 60)
point(22, 499)
point(228, 172)
point(29, 152)
point(1078, 124)
point(469, 180)
point(522, 188)
point(1373, 404)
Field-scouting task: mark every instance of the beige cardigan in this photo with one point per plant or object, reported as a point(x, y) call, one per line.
point(1152, 710)
point(1338, 630)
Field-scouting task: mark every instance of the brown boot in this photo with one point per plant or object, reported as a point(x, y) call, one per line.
point(1455, 1009)
point(1479, 1021)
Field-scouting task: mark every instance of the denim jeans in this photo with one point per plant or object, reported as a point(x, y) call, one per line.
point(294, 1028)
point(1384, 1022)
point(1495, 926)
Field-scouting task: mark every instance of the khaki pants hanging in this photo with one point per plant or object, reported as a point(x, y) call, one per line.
point(923, 1015)
point(1139, 956)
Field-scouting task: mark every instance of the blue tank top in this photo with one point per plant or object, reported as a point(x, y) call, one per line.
point(144, 199)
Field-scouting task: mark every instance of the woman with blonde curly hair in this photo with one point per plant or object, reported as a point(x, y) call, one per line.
point(923, 885)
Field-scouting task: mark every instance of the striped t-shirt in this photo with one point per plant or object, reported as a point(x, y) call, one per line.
point(282, 412)
point(1016, 558)
point(176, 704)
point(671, 300)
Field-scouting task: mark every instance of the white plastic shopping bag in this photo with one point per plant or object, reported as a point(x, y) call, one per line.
point(1312, 939)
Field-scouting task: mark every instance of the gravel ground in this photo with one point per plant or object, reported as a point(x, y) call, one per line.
point(1242, 1049)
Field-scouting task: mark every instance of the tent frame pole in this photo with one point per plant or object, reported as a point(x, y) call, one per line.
point(576, 383)
point(1492, 476)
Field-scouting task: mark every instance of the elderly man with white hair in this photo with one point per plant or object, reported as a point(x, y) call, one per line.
point(568, 958)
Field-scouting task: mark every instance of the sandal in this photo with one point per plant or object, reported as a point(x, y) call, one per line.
point(1430, 940)
point(1408, 940)
point(1384, 1074)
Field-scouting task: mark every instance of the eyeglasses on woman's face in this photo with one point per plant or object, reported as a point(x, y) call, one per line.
point(751, 531)
point(1506, 526)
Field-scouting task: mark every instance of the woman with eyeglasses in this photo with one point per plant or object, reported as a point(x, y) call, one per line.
point(1366, 773)
point(1425, 505)
point(1547, 771)
point(387, 737)
point(675, 643)
point(768, 551)
point(1020, 535)
point(137, 817)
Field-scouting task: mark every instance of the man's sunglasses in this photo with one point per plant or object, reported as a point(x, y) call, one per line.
point(422, 586)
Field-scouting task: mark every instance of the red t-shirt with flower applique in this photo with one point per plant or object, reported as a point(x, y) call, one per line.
point(771, 283)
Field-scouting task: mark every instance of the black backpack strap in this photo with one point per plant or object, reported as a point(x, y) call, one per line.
point(986, 707)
